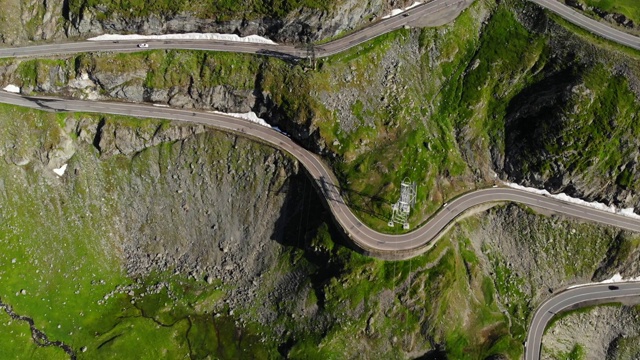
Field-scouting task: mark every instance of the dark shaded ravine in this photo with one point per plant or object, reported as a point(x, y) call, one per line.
point(39, 337)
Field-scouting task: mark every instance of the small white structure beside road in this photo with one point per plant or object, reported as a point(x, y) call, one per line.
point(402, 208)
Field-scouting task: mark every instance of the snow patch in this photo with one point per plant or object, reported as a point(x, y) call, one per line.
point(628, 212)
point(12, 89)
point(188, 36)
point(251, 116)
point(617, 278)
point(280, 131)
point(395, 12)
point(60, 171)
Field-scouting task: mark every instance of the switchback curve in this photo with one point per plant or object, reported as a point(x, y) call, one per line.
point(371, 242)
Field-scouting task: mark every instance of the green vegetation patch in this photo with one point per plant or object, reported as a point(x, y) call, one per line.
point(16, 341)
point(441, 127)
point(577, 353)
point(61, 263)
point(629, 8)
point(29, 72)
point(370, 304)
point(591, 135)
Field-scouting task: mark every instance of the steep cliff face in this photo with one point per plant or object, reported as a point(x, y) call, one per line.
point(287, 22)
point(569, 127)
point(31, 20)
point(172, 197)
point(461, 108)
point(158, 235)
point(300, 24)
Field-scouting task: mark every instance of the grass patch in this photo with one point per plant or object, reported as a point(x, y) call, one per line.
point(16, 342)
point(576, 353)
point(436, 135)
point(60, 246)
point(605, 44)
point(600, 110)
point(628, 8)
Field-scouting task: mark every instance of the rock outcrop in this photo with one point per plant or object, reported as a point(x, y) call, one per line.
point(614, 18)
point(38, 20)
point(299, 26)
point(54, 20)
point(602, 332)
point(175, 198)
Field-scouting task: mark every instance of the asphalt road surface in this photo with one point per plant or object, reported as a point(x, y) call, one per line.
point(435, 12)
point(372, 242)
point(589, 24)
point(430, 10)
point(568, 299)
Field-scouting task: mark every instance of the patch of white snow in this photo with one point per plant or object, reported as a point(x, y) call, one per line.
point(251, 116)
point(12, 89)
point(628, 212)
point(188, 36)
point(60, 171)
point(395, 12)
point(617, 278)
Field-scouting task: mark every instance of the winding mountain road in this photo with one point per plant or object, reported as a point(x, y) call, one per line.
point(593, 26)
point(372, 242)
point(434, 13)
point(572, 298)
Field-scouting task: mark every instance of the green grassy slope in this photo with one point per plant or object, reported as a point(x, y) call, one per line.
point(463, 298)
point(445, 107)
point(629, 8)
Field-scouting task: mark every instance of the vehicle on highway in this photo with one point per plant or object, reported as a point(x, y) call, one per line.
point(143, 45)
point(613, 287)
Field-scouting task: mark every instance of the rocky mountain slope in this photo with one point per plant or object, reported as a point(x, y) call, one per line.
point(212, 245)
point(600, 332)
point(290, 21)
point(476, 112)
point(623, 15)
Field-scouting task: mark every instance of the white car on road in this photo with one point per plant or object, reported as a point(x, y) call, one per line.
point(143, 45)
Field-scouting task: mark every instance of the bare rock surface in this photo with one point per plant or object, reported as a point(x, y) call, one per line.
point(603, 332)
point(53, 20)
